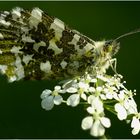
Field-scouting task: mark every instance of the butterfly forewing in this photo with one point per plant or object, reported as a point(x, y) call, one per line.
point(34, 45)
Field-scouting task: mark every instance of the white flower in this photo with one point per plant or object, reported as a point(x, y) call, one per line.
point(99, 91)
point(79, 89)
point(126, 105)
point(130, 105)
point(121, 111)
point(96, 104)
point(96, 126)
point(89, 78)
point(49, 98)
point(116, 81)
point(135, 124)
point(103, 78)
point(96, 91)
point(109, 91)
point(83, 87)
point(97, 122)
point(119, 107)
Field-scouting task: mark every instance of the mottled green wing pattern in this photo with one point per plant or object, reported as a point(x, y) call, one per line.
point(34, 45)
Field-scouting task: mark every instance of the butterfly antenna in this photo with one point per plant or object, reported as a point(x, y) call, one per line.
point(127, 34)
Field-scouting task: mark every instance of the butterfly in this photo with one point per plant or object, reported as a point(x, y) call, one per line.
point(34, 45)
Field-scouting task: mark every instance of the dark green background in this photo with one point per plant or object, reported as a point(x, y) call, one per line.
point(21, 115)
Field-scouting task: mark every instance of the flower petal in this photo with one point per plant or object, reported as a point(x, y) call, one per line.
point(73, 100)
point(87, 123)
point(105, 122)
point(90, 99)
point(57, 88)
point(97, 129)
point(90, 110)
point(47, 103)
point(83, 96)
point(84, 86)
point(45, 93)
point(99, 89)
point(121, 112)
point(109, 95)
point(103, 97)
point(121, 95)
point(135, 131)
point(71, 90)
point(135, 122)
point(98, 104)
point(93, 80)
point(91, 89)
point(136, 125)
point(58, 100)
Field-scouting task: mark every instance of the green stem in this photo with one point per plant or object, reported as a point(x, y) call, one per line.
point(110, 101)
point(110, 108)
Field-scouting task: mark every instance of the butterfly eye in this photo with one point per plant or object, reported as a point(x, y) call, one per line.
point(108, 46)
point(108, 43)
point(111, 46)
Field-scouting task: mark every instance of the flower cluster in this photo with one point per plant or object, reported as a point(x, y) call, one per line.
point(98, 92)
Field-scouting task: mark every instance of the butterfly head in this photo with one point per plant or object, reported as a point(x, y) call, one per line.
point(102, 54)
point(111, 47)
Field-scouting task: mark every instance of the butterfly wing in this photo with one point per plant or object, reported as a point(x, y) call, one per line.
point(34, 45)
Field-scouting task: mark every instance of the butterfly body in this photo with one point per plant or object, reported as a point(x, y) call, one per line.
point(34, 45)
